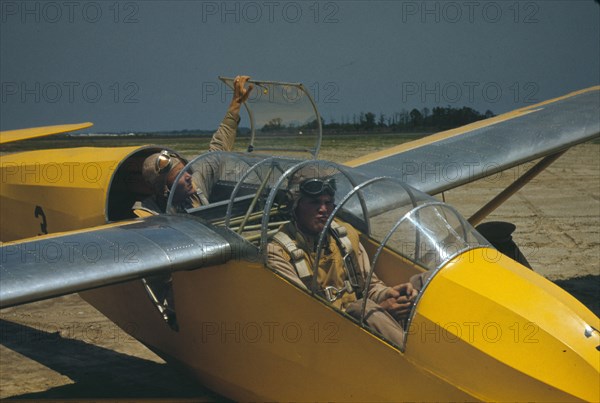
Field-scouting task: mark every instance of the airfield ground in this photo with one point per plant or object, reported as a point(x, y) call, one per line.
point(65, 349)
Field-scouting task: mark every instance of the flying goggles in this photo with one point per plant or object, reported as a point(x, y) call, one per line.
point(166, 161)
point(316, 187)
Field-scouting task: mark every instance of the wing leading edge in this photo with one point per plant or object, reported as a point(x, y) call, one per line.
point(453, 158)
point(48, 267)
point(9, 136)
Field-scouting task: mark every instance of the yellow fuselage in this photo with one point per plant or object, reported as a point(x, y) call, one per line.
point(485, 328)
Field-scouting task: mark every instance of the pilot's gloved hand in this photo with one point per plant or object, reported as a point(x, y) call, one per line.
point(240, 93)
point(400, 300)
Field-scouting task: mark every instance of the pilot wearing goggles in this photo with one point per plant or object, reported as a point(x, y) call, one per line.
point(161, 169)
point(344, 264)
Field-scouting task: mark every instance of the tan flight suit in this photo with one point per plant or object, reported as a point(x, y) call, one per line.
point(333, 273)
point(222, 140)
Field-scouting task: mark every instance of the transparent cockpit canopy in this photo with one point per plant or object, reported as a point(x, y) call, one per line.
point(408, 233)
point(231, 189)
point(256, 184)
point(283, 119)
point(213, 176)
point(405, 220)
point(432, 234)
point(254, 195)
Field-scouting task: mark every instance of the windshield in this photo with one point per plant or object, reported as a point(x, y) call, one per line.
point(283, 119)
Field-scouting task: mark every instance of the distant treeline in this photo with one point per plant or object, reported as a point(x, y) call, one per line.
point(439, 118)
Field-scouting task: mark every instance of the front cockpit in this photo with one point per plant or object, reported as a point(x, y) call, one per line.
point(248, 194)
point(404, 231)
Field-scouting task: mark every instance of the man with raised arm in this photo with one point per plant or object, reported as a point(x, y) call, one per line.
point(161, 169)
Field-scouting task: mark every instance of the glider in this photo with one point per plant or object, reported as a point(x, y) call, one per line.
point(484, 327)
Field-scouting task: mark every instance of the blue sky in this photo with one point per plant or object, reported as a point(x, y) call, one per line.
point(153, 65)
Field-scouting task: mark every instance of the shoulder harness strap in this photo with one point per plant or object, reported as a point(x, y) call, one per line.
point(203, 200)
point(297, 256)
point(298, 259)
point(340, 234)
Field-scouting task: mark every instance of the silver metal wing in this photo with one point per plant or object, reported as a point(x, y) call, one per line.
point(455, 157)
point(51, 266)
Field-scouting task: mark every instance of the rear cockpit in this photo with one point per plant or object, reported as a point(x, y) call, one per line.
point(127, 185)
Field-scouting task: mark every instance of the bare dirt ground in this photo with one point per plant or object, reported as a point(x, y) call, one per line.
point(64, 349)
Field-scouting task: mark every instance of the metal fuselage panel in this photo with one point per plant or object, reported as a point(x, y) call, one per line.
point(51, 191)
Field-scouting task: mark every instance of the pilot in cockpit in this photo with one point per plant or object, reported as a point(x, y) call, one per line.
point(344, 263)
point(161, 169)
